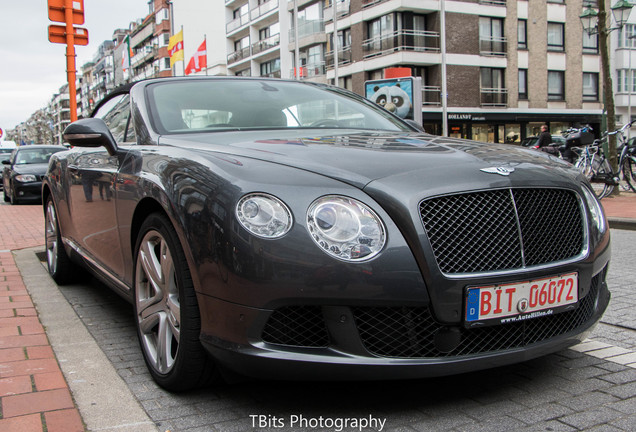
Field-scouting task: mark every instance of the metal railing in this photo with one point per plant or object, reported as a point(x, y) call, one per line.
point(342, 7)
point(344, 57)
point(263, 9)
point(273, 74)
point(237, 22)
point(401, 40)
point(369, 3)
point(265, 44)
point(238, 55)
point(494, 97)
point(310, 70)
point(307, 28)
point(431, 95)
point(493, 46)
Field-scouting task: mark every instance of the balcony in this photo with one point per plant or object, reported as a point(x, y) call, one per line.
point(238, 55)
point(369, 3)
point(342, 8)
point(237, 22)
point(493, 46)
point(307, 29)
point(265, 44)
point(494, 97)
point(263, 9)
point(273, 74)
point(493, 2)
point(344, 57)
point(147, 53)
point(310, 70)
point(402, 40)
point(431, 95)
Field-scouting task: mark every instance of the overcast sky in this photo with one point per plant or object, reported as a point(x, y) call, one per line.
point(33, 69)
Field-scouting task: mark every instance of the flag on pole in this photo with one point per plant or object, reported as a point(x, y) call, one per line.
point(199, 60)
point(175, 48)
point(127, 54)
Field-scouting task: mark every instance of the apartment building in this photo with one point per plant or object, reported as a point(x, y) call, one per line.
point(60, 114)
point(510, 65)
point(623, 60)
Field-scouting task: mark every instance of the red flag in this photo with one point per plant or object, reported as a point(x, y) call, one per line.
point(199, 60)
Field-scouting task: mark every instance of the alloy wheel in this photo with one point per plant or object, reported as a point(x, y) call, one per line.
point(157, 302)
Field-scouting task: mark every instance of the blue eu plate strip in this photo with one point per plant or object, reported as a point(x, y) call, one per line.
point(472, 305)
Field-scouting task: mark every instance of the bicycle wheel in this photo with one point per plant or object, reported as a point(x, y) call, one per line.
point(602, 172)
point(629, 172)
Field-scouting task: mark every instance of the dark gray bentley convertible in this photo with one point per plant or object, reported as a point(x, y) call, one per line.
point(295, 230)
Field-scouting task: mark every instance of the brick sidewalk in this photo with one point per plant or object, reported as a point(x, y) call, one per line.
point(34, 395)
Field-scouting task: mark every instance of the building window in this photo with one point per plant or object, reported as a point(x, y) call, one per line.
point(241, 12)
point(271, 68)
point(556, 36)
point(492, 87)
point(590, 86)
point(522, 34)
point(556, 85)
point(627, 36)
point(590, 43)
point(622, 81)
point(491, 40)
point(523, 84)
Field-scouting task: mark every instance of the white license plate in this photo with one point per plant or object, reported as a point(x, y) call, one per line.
point(522, 300)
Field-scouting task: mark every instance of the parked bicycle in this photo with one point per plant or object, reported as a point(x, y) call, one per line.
point(593, 163)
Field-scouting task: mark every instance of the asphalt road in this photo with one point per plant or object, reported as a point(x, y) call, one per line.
point(590, 387)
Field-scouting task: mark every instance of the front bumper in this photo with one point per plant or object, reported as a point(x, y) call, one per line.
point(349, 342)
point(31, 191)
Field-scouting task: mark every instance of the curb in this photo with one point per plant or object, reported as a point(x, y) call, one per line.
point(622, 223)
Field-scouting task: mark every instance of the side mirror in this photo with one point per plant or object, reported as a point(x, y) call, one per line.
point(6, 162)
point(90, 132)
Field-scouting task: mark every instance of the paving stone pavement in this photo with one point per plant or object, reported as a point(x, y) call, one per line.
point(591, 387)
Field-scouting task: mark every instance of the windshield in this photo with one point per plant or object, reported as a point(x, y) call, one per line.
point(224, 104)
point(35, 156)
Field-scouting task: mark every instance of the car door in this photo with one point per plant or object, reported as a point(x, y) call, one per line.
point(92, 190)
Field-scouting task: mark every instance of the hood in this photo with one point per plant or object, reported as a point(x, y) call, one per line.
point(391, 157)
point(37, 169)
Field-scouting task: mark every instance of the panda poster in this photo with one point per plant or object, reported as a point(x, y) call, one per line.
point(397, 95)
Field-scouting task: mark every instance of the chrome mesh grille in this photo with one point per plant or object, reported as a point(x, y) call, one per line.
point(496, 230)
point(302, 326)
point(409, 332)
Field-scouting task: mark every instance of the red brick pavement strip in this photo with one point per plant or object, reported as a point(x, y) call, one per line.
point(34, 395)
point(622, 206)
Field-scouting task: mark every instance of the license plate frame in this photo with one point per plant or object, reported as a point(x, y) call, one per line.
point(504, 303)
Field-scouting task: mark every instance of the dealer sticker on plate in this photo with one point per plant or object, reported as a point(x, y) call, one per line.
point(514, 302)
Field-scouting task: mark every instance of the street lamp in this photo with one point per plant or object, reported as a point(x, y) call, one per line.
point(595, 22)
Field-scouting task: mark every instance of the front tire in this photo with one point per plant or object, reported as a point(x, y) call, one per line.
point(166, 309)
point(60, 266)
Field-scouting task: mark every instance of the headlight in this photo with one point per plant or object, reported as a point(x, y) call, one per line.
point(25, 178)
point(595, 209)
point(345, 228)
point(264, 215)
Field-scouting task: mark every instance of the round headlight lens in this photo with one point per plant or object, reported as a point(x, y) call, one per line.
point(264, 215)
point(345, 228)
point(25, 178)
point(595, 209)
